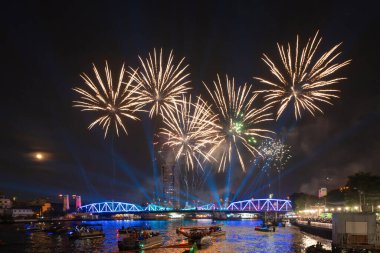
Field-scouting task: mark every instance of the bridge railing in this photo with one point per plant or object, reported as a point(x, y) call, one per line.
point(250, 205)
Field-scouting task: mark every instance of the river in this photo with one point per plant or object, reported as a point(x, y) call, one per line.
point(240, 237)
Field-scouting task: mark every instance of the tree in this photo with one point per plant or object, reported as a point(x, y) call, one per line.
point(364, 188)
point(302, 200)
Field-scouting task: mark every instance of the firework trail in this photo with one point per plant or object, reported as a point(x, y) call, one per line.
point(276, 152)
point(302, 80)
point(238, 120)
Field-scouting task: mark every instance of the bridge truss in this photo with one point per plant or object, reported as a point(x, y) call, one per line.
point(251, 205)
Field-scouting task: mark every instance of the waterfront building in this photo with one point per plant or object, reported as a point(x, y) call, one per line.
point(5, 203)
point(322, 192)
point(46, 207)
point(22, 212)
point(78, 201)
point(66, 203)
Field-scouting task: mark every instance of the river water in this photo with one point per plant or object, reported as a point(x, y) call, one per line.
point(240, 237)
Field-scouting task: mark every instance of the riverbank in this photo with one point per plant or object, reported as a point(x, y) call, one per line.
point(321, 231)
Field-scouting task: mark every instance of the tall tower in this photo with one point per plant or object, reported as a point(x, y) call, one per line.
point(170, 183)
point(78, 202)
point(66, 203)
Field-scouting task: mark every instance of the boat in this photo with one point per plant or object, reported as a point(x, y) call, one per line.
point(318, 248)
point(198, 232)
point(154, 216)
point(263, 229)
point(84, 232)
point(206, 241)
point(201, 235)
point(33, 227)
point(233, 216)
point(140, 239)
point(219, 216)
point(216, 230)
point(56, 228)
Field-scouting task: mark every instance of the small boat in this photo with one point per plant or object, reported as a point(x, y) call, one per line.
point(219, 216)
point(56, 228)
point(234, 217)
point(263, 229)
point(85, 232)
point(201, 235)
point(140, 240)
point(216, 230)
point(206, 241)
point(154, 216)
point(198, 232)
point(34, 227)
point(318, 248)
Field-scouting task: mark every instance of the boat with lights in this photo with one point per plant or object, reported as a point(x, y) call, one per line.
point(84, 232)
point(140, 238)
point(198, 232)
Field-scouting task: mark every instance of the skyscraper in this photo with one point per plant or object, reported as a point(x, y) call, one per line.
point(78, 202)
point(170, 185)
point(66, 203)
point(170, 180)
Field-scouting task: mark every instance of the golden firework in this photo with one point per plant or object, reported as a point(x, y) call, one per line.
point(302, 80)
point(238, 121)
point(111, 103)
point(162, 82)
point(190, 131)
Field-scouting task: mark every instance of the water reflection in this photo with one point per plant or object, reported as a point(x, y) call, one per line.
point(240, 237)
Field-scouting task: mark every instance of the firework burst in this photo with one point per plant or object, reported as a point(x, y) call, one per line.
point(304, 81)
point(162, 83)
point(189, 131)
point(238, 120)
point(275, 152)
point(112, 103)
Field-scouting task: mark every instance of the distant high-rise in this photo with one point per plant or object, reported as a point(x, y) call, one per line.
point(322, 192)
point(170, 185)
point(78, 202)
point(66, 203)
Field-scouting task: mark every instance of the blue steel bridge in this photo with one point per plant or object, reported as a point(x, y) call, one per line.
point(251, 205)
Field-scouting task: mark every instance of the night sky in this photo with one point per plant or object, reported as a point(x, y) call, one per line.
point(46, 45)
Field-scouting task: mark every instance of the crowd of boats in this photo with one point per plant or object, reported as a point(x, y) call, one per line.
point(140, 237)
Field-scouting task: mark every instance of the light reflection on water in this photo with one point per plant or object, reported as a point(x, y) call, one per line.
point(240, 237)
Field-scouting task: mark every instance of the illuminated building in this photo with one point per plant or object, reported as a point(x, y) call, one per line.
point(5, 203)
point(170, 182)
point(78, 202)
point(170, 185)
point(46, 207)
point(24, 212)
point(322, 192)
point(66, 203)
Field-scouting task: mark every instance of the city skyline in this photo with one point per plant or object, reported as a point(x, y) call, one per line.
point(47, 149)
